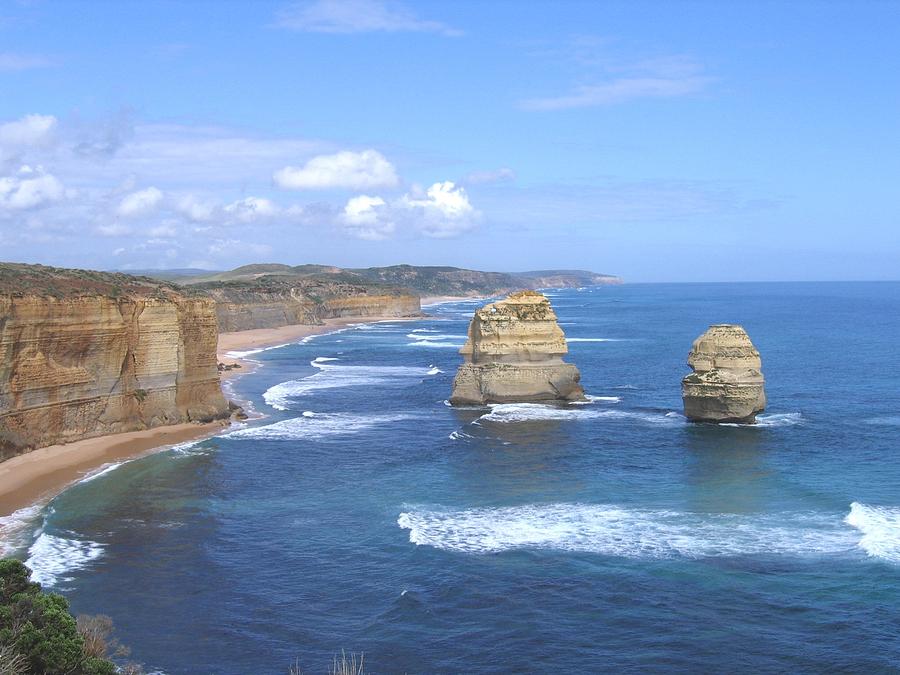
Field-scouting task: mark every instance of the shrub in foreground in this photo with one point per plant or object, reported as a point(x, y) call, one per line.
point(38, 634)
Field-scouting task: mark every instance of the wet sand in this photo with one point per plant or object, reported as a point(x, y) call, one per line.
point(41, 474)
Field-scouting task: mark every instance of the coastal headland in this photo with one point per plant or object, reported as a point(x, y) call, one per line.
point(100, 368)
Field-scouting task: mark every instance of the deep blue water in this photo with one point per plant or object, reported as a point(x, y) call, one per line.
point(362, 513)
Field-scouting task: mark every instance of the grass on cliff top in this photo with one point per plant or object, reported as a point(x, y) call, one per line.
point(20, 280)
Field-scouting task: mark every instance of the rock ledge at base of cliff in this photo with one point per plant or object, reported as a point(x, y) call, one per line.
point(514, 354)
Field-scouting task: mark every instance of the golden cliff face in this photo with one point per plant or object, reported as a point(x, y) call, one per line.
point(371, 305)
point(727, 384)
point(90, 365)
point(514, 353)
point(246, 307)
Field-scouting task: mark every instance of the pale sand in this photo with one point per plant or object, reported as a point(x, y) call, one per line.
point(41, 474)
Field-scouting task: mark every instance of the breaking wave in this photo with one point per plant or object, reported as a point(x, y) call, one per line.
point(880, 527)
point(770, 421)
point(15, 529)
point(52, 557)
point(632, 533)
point(507, 413)
point(575, 339)
point(332, 376)
point(317, 425)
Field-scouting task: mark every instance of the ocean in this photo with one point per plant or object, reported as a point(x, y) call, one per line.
point(361, 513)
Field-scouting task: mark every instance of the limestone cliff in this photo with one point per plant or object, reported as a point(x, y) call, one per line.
point(727, 384)
point(275, 301)
point(87, 354)
point(514, 353)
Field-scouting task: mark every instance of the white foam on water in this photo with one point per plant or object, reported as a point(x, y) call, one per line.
point(434, 370)
point(456, 435)
point(308, 413)
point(880, 528)
point(251, 352)
point(590, 398)
point(424, 330)
point(16, 528)
point(187, 449)
point(576, 339)
point(102, 471)
point(632, 533)
point(324, 359)
point(429, 343)
point(319, 425)
point(332, 376)
point(51, 557)
point(770, 421)
point(510, 413)
point(433, 335)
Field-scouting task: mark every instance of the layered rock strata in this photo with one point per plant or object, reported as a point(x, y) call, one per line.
point(94, 363)
point(514, 353)
point(727, 384)
point(247, 306)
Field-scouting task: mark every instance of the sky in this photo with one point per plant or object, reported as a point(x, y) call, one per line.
point(659, 141)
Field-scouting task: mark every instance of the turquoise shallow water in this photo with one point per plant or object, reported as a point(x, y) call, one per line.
point(363, 513)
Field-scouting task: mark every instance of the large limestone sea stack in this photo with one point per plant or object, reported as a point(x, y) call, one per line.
point(727, 384)
point(514, 353)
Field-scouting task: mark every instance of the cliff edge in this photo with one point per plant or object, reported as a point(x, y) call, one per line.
point(86, 354)
point(514, 353)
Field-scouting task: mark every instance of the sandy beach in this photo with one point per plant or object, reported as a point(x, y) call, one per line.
point(40, 474)
point(231, 344)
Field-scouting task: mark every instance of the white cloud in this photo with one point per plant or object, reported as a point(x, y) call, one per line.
point(251, 209)
point(28, 131)
point(193, 209)
point(29, 188)
point(140, 203)
point(230, 247)
point(663, 77)
point(164, 230)
point(355, 170)
point(112, 230)
point(366, 217)
point(441, 211)
point(444, 211)
point(10, 62)
point(357, 16)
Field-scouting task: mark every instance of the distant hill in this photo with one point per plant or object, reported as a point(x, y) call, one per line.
point(423, 280)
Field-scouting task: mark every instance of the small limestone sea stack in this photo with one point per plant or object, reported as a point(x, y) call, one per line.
point(727, 384)
point(514, 354)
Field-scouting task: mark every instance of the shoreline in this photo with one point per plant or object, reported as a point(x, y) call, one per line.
point(31, 480)
point(38, 476)
point(235, 347)
point(34, 478)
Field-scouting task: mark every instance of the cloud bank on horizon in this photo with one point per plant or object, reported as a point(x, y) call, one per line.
point(360, 132)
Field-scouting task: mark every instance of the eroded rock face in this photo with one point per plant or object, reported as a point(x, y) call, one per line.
point(727, 384)
point(72, 368)
point(514, 353)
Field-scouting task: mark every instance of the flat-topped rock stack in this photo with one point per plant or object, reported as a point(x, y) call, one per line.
point(727, 384)
point(514, 354)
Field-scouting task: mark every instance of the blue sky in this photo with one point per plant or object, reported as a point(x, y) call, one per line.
point(684, 141)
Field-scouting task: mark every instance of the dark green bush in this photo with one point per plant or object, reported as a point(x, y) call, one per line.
point(38, 632)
